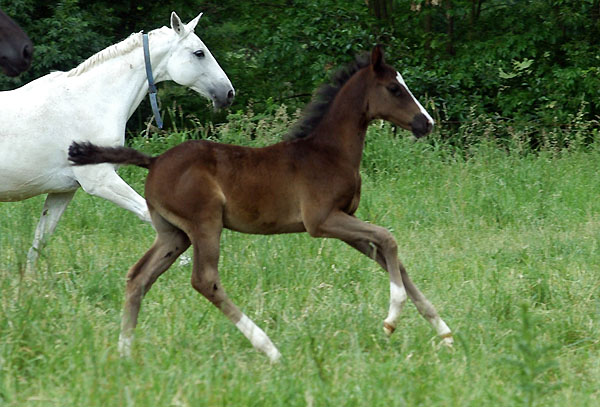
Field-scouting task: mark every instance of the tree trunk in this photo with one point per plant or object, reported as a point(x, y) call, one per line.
point(450, 30)
point(380, 8)
point(428, 28)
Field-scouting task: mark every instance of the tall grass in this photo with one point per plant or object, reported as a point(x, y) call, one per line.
point(502, 240)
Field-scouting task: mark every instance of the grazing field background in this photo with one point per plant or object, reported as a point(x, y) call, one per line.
point(497, 218)
point(501, 238)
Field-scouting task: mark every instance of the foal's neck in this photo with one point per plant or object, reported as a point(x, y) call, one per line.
point(344, 126)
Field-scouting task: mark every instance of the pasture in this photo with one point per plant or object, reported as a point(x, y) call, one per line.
point(503, 242)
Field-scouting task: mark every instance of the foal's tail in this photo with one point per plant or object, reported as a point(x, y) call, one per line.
point(88, 153)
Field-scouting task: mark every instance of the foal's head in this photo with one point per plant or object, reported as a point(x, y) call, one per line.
point(390, 99)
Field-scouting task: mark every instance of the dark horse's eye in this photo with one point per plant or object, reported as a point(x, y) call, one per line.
point(199, 53)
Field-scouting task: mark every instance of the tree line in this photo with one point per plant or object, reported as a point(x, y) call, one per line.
point(529, 61)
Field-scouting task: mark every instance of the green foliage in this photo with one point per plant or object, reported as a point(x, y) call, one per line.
point(63, 32)
point(532, 362)
point(532, 62)
point(523, 60)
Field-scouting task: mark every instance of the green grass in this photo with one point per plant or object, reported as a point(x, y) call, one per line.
point(504, 244)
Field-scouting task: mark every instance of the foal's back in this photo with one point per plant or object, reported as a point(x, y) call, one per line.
point(258, 190)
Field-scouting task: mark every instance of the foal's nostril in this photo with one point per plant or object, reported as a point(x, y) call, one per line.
point(421, 125)
point(230, 94)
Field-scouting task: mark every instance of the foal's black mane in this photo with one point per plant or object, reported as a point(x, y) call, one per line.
point(315, 111)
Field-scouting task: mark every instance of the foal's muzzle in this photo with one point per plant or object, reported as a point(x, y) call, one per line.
point(421, 125)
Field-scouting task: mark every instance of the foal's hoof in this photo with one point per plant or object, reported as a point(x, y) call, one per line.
point(274, 357)
point(447, 340)
point(388, 328)
point(125, 346)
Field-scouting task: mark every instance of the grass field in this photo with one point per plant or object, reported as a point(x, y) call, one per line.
point(505, 244)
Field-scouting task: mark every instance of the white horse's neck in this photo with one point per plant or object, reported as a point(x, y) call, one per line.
point(117, 74)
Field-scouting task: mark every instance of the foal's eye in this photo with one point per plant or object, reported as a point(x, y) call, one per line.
point(394, 89)
point(199, 53)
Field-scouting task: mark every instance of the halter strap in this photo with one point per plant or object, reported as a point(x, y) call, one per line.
point(151, 86)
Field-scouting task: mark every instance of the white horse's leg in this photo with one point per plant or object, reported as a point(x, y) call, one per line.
point(102, 180)
point(54, 207)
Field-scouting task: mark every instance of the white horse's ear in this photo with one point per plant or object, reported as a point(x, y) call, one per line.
point(176, 24)
point(192, 24)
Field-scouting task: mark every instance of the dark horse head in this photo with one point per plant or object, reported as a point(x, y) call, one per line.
point(16, 48)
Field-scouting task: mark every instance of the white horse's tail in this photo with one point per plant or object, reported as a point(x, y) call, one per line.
point(88, 153)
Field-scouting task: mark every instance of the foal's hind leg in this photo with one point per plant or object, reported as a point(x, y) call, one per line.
point(54, 206)
point(205, 279)
point(376, 242)
point(425, 308)
point(169, 244)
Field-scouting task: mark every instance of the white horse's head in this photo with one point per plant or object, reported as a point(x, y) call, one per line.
point(191, 64)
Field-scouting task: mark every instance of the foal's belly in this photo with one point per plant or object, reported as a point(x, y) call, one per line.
point(262, 222)
point(266, 228)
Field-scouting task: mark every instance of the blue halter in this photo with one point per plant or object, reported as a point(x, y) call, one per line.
point(152, 87)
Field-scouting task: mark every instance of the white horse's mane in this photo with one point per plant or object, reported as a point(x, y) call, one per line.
point(121, 48)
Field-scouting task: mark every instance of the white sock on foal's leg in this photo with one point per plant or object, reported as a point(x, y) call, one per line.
point(125, 345)
point(442, 330)
point(258, 338)
point(430, 314)
point(397, 300)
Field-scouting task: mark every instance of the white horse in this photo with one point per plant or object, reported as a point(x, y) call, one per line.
point(92, 102)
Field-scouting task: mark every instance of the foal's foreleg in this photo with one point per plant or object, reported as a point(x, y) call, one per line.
point(54, 207)
point(378, 243)
point(425, 308)
point(384, 249)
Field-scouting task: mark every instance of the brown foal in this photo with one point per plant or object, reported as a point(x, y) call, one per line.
point(307, 183)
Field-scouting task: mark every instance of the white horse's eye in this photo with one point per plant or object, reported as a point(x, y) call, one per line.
point(199, 53)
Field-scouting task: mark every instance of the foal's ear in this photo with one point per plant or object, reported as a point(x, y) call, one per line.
point(176, 24)
point(192, 24)
point(377, 58)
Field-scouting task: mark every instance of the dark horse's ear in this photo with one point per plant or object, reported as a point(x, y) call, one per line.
point(377, 58)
